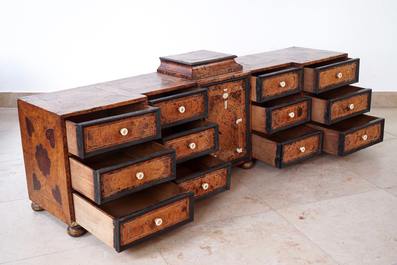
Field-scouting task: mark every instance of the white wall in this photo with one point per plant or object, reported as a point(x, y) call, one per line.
point(53, 45)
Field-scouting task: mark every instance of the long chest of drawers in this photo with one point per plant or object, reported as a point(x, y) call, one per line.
point(127, 159)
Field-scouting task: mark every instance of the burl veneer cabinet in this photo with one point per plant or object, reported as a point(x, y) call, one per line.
point(127, 159)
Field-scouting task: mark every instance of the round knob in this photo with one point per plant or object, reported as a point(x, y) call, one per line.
point(139, 175)
point(291, 114)
point(364, 137)
point(124, 131)
point(158, 221)
point(303, 149)
point(282, 84)
point(339, 75)
point(181, 109)
point(205, 186)
point(351, 106)
point(225, 95)
point(192, 145)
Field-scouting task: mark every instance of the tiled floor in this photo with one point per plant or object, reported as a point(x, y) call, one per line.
point(325, 210)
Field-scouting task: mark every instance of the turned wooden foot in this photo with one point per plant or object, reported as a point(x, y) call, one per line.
point(36, 207)
point(247, 165)
point(75, 230)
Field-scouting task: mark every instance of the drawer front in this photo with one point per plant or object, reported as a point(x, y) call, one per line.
point(340, 74)
point(362, 138)
point(182, 108)
point(347, 107)
point(293, 114)
point(208, 183)
point(187, 146)
point(281, 83)
point(300, 149)
point(145, 225)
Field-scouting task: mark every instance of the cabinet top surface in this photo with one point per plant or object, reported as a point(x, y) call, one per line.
point(198, 57)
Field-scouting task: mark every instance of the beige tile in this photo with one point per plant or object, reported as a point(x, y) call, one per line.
point(384, 100)
point(25, 233)
point(264, 238)
point(315, 179)
point(5, 100)
point(237, 201)
point(8, 120)
point(377, 163)
point(12, 181)
point(357, 229)
point(145, 253)
point(392, 190)
point(390, 116)
point(16, 95)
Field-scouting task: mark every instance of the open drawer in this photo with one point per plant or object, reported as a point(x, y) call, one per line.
point(105, 177)
point(137, 217)
point(328, 75)
point(205, 176)
point(287, 147)
point(350, 135)
point(106, 130)
point(181, 106)
point(339, 104)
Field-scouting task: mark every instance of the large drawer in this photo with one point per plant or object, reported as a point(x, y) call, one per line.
point(205, 176)
point(275, 83)
point(280, 114)
point(287, 147)
point(339, 104)
point(137, 217)
point(192, 139)
point(350, 135)
point(328, 75)
point(105, 177)
point(180, 108)
point(102, 131)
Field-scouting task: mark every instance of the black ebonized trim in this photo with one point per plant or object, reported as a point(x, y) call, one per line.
point(176, 96)
point(79, 140)
point(126, 218)
point(187, 132)
point(279, 155)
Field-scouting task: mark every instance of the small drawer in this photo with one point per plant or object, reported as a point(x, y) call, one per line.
point(205, 176)
point(105, 177)
point(339, 104)
point(192, 139)
point(179, 108)
point(350, 135)
point(137, 217)
point(328, 75)
point(102, 131)
point(280, 114)
point(274, 84)
point(287, 147)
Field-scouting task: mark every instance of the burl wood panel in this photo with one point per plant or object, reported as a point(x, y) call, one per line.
point(227, 107)
point(101, 136)
point(292, 151)
point(280, 117)
point(328, 77)
point(123, 179)
point(216, 180)
point(194, 106)
point(204, 140)
point(271, 86)
point(341, 108)
point(144, 225)
point(44, 152)
point(354, 140)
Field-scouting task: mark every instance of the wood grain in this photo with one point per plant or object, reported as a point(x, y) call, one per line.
point(264, 149)
point(292, 152)
point(341, 108)
point(280, 117)
point(271, 86)
point(354, 140)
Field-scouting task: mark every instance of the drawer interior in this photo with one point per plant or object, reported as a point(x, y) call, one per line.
point(184, 127)
point(198, 164)
point(273, 70)
point(335, 93)
point(347, 124)
point(173, 93)
point(326, 63)
point(288, 134)
point(279, 101)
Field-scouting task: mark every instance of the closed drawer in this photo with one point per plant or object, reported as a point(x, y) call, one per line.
point(192, 139)
point(137, 217)
point(324, 76)
point(350, 135)
point(105, 177)
point(339, 104)
point(280, 114)
point(181, 107)
point(205, 176)
point(274, 84)
point(102, 131)
point(287, 147)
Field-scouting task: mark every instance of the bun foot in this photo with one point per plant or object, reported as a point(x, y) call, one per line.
point(75, 230)
point(36, 207)
point(247, 165)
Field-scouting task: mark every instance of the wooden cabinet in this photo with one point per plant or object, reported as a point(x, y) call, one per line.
point(127, 159)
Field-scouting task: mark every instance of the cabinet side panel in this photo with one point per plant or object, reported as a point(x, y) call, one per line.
point(264, 149)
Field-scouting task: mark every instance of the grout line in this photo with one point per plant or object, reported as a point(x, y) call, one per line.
point(159, 251)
